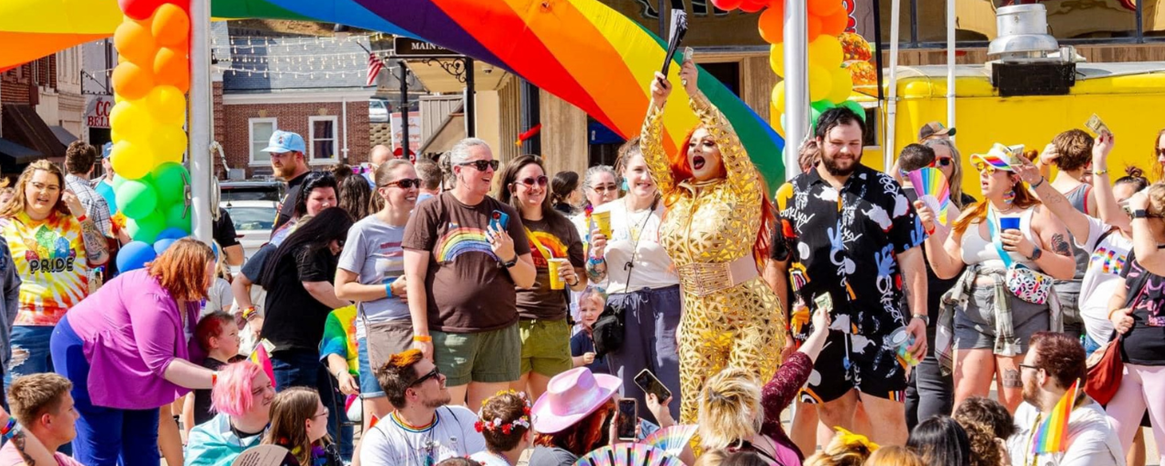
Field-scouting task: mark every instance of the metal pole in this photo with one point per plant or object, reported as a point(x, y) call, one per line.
point(470, 100)
point(404, 109)
point(201, 124)
point(662, 20)
point(1140, 17)
point(796, 82)
point(888, 150)
point(913, 23)
point(951, 65)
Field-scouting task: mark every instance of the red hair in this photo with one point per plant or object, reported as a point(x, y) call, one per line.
point(182, 269)
point(681, 170)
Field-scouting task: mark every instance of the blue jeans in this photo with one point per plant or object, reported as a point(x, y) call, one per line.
point(650, 319)
point(302, 368)
point(105, 436)
point(30, 352)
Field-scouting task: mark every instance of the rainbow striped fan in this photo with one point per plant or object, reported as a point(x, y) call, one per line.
point(628, 454)
point(932, 188)
point(672, 439)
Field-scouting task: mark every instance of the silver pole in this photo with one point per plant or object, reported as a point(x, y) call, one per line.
point(888, 150)
point(951, 65)
point(200, 125)
point(796, 83)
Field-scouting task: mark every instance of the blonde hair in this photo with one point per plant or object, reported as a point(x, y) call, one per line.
point(846, 449)
point(1156, 195)
point(18, 202)
point(31, 396)
point(894, 455)
point(730, 408)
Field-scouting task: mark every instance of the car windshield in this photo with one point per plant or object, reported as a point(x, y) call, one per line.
point(252, 218)
point(251, 193)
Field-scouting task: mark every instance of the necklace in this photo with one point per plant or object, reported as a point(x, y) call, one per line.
point(426, 451)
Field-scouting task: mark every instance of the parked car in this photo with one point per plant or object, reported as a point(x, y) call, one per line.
point(252, 190)
point(253, 221)
point(377, 111)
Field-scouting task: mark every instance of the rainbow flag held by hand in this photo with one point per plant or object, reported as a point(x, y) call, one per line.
point(263, 359)
point(1051, 433)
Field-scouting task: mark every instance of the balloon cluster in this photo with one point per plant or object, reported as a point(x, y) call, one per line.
point(150, 84)
point(830, 83)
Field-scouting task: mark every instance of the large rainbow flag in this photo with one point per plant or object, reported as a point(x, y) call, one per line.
point(1053, 430)
point(582, 51)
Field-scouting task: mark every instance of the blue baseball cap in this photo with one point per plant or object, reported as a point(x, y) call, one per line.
point(107, 150)
point(285, 141)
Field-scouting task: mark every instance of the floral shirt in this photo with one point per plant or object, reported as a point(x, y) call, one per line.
point(50, 258)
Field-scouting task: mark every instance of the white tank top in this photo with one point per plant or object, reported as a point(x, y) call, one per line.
point(978, 250)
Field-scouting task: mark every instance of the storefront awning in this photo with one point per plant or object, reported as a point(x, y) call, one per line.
point(23, 126)
point(449, 133)
point(63, 135)
point(17, 153)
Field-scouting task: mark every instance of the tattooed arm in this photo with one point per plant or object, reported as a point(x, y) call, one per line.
point(1056, 259)
point(96, 248)
point(30, 449)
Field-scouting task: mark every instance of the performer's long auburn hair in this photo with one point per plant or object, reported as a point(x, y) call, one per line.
point(681, 171)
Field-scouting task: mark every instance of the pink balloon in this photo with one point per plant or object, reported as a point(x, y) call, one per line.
point(140, 10)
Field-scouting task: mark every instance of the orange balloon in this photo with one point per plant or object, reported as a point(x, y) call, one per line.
point(134, 42)
point(823, 8)
point(131, 81)
point(835, 24)
point(772, 25)
point(173, 68)
point(814, 27)
point(171, 25)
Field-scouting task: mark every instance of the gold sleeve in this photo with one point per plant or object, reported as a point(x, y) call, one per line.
point(742, 174)
point(651, 144)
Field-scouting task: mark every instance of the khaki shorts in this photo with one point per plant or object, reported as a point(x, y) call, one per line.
point(545, 346)
point(487, 357)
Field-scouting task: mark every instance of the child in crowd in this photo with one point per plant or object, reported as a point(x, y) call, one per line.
point(846, 449)
point(988, 425)
point(218, 335)
point(895, 455)
point(582, 344)
point(299, 423)
point(505, 425)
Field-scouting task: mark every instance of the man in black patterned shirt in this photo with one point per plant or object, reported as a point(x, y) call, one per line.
point(848, 232)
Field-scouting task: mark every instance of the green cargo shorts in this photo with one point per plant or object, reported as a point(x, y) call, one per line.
point(487, 357)
point(545, 346)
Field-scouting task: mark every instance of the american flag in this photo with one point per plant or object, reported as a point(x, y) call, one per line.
point(375, 64)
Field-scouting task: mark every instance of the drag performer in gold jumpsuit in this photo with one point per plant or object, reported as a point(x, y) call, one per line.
point(716, 208)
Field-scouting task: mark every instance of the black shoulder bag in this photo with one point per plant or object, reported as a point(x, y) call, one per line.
point(609, 330)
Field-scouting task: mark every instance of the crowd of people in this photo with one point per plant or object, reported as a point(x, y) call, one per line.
point(458, 311)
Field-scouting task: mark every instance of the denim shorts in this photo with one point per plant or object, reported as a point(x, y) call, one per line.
point(369, 387)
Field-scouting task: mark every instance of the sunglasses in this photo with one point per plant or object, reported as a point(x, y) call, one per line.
point(407, 183)
point(985, 167)
point(481, 165)
point(433, 373)
point(541, 180)
point(1160, 151)
point(941, 162)
point(604, 188)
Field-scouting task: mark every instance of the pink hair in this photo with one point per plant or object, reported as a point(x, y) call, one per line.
point(232, 395)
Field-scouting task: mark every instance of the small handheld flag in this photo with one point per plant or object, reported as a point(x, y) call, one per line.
point(1050, 434)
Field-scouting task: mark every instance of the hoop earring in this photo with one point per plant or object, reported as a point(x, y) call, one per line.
point(1009, 196)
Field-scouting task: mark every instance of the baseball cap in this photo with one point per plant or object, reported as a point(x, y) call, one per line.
point(285, 141)
point(934, 128)
point(106, 150)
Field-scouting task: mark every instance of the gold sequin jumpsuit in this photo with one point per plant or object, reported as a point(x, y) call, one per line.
point(709, 232)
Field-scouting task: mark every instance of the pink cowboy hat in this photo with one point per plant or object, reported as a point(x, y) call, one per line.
point(572, 396)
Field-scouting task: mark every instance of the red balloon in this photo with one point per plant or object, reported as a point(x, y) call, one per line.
point(139, 9)
point(172, 68)
point(823, 8)
point(835, 24)
point(131, 81)
point(727, 5)
point(171, 25)
point(753, 6)
point(814, 27)
point(772, 25)
point(134, 42)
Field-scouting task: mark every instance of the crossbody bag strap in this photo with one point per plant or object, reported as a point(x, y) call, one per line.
point(995, 238)
point(630, 266)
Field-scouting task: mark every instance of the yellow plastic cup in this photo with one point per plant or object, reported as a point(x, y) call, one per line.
point(556, 282)
point(603, 223)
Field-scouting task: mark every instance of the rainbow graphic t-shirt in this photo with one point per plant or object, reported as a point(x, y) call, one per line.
point(50, 258)
point(551, 237)
point(340, 337)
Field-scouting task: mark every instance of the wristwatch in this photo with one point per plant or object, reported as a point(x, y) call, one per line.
point(1140, 213)
point(925, 318)
point(1036, 254)
point(511, 262)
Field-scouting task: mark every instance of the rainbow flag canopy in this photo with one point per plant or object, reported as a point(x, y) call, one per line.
point(582, 51)
point(1050, 435)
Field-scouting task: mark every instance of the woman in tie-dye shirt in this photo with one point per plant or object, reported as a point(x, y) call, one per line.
point(55, 247)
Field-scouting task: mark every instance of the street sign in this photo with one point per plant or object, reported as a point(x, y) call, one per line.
point(407, 47)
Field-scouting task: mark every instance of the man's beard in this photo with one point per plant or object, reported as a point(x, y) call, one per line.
point(438, 401)
point(831, 166)
point(1031, 393)
point(284, 172)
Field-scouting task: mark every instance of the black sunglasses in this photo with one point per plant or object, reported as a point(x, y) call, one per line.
point(433, 373)
point(406, 183)
point(481, 165)
point(943, 162)
point(541, 180)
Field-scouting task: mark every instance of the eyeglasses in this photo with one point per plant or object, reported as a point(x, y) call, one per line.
point(433, 373)
point(1029, 366)
point(604, 188)
point(481, 165)
point(323, 414)
point(407, 183)
point(541, 180)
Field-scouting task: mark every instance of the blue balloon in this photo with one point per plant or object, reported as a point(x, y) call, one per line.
point(161, 245)
point(172, 233)
point(134, 255)
point(106, 191)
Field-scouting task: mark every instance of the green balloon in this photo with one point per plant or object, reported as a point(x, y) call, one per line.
point(822, 105)
point(178, 217)
point(146, 229)
point(117, 182)
point(856, 107)
point(136, 199)
point(171, 180)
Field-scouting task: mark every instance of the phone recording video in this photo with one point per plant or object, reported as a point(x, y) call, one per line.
point(649, 383)
point(628, 418)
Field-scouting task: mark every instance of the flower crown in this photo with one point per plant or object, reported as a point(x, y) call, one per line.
point(496, 424)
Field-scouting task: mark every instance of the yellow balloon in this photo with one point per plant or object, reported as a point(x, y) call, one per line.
point(826, 51)
point(777, 59)
point(168, 145)
point(130, 160)
point(820, 82)
point(115, 136)
point(128, 114)
point(843, 86)
point(167, 105)
point(775, 119)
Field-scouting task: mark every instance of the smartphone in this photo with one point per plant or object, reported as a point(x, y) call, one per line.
point(499, 220)
point(649, 383)
point(628, 418)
